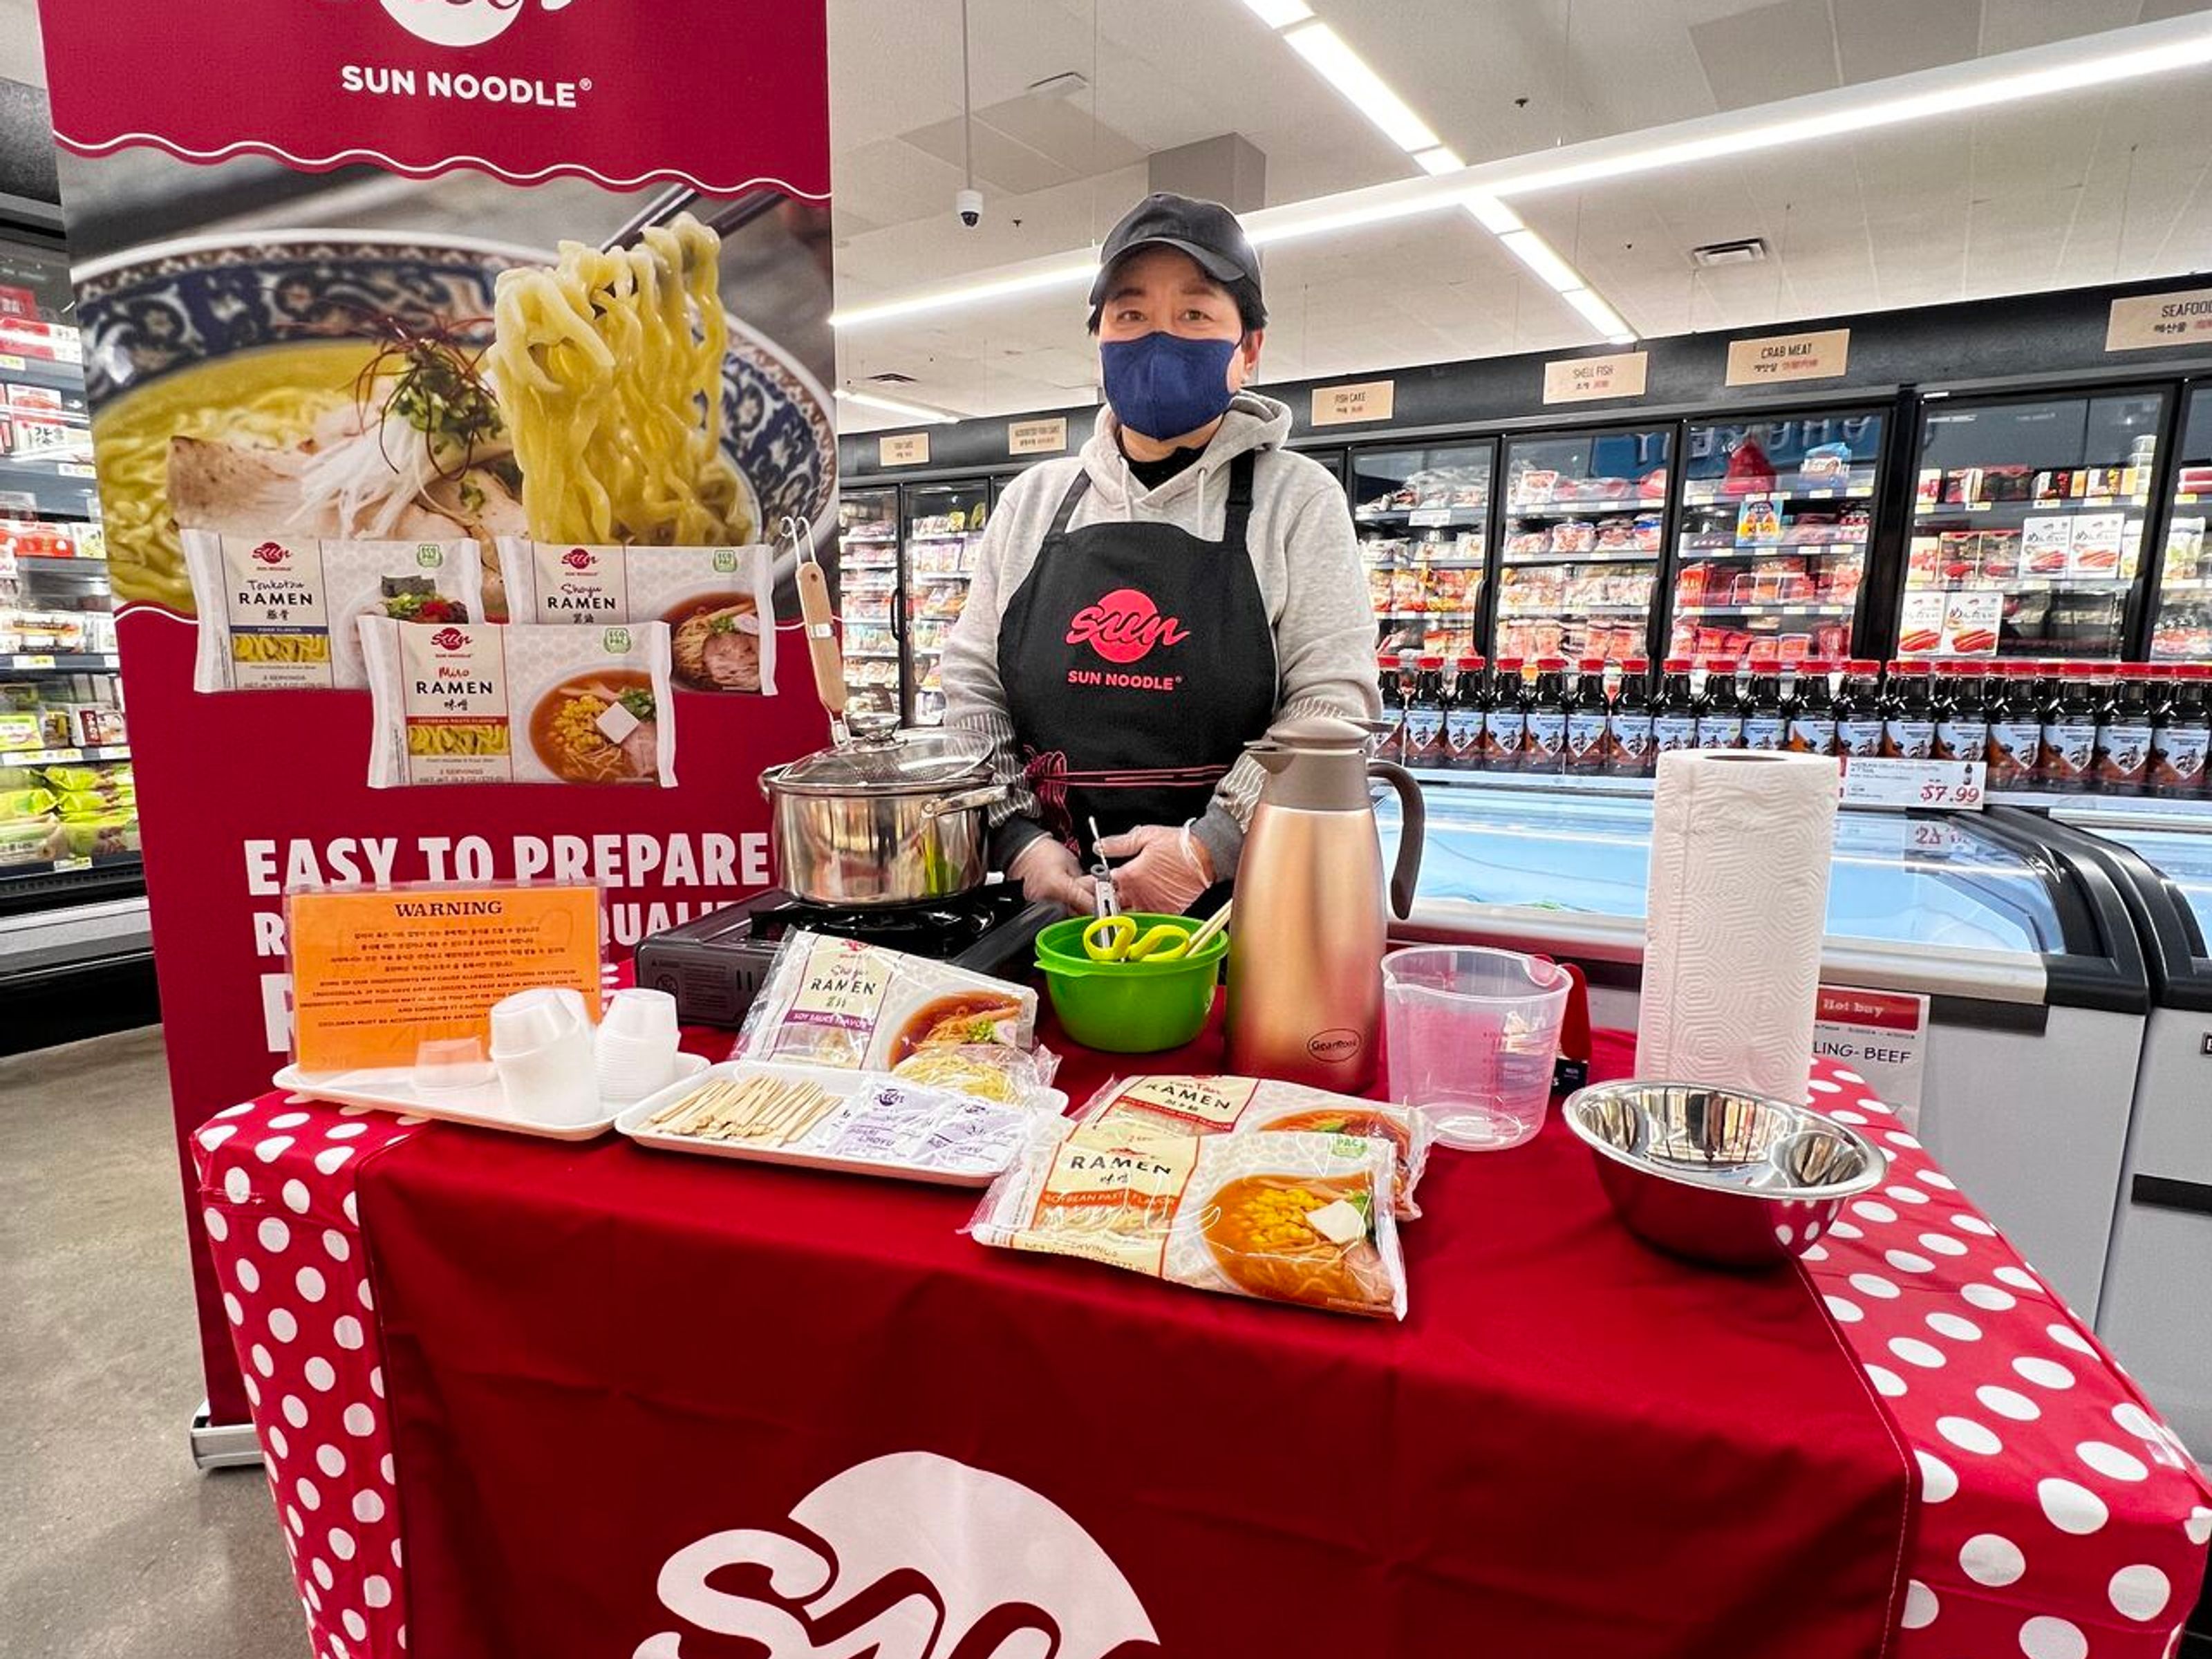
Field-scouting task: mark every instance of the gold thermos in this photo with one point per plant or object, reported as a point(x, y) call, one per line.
point(1305, 951)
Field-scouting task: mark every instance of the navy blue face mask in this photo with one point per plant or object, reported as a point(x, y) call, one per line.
point(1164, 385)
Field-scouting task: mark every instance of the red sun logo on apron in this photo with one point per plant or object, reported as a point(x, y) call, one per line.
point(1124, 626)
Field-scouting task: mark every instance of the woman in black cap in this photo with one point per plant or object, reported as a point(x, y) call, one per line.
point(1139, 612)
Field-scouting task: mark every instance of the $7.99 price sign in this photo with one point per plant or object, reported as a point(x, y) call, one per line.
point(1955, 786)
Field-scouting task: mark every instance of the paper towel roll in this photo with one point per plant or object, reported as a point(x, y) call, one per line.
point(1741, 844)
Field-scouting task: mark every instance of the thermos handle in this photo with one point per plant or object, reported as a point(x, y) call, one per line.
point(1413, 831)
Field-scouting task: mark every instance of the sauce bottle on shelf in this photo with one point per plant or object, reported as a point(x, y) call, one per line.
point(1858, 711)
point(2016, 727)
point(2181, 734)
point(1765, 721)
point(1628, 747)
point(1470, 703)
point(1962, 715)
point(1720, 721)
point(2069, 751)
point(2122, 761)
point(1908, 714)
point(1546, 702)
point(1391, 745)
point(1587, 718)
point(1505, 723)
point(1674, 720)
point(1424, 715)
point(1812, 714)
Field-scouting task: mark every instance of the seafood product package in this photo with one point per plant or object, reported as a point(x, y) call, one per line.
point(1238, 1105)
point(517, 704)
point(1296, 1216)
point(715, 600)
point(279, 612)
point(837, 1002)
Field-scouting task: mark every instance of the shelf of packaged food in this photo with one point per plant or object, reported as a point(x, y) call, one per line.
point(63, 756)
point(1421, 518)
point(2029, 585)
point(942, 535)
point(113, 864)
point(62, 662)
point(2071, 505)
point(886, 568)
point(942, 575)
point(56, 465)
point(1776, 608)
point(871, 656)
point(91, 566)
point(875, 535)
point(1696, 546)
point(2186, 585)
point(1523, 561)
point(1585, 510)
point(1692, 496)
point(1573, 610)
point(1427, 564)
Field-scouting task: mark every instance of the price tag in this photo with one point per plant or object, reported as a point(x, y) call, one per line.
point(8, 360)
point(64, 867)
point(76, 470)
point(30, 662)
point(1953, 786)
point(46, 757)
point(1421, 516)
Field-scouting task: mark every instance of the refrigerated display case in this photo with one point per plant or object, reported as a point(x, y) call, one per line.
point(1773, 541)
point(1423, 517)
point(1584, 534)
point(2028, 525)
point(868, 594)
point(2181, 620)
point(2038, 986)
point(941, 522)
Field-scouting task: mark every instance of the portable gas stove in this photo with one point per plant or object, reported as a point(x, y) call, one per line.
point(716, 965)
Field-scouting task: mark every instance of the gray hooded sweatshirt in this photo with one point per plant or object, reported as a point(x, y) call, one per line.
point(1302, 551)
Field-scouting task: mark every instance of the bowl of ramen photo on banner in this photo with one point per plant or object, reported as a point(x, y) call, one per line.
point(376, 387)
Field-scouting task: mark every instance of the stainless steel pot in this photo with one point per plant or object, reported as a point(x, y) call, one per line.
point(891, 818)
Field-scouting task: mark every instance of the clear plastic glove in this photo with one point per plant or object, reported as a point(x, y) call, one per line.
point(1050, 874)
point(1168, 870)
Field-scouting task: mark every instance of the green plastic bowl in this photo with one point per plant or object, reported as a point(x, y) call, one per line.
point(1128, 1007)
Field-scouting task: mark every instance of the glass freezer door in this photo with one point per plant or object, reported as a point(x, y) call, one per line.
point(943, 524)
point(2181, 625)
point(1585, 527)
point(1423, 516)
point(867, 590)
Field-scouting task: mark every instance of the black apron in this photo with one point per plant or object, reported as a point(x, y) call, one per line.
point(1136, 661)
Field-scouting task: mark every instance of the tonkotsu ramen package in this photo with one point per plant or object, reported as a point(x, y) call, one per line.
point(837, 1002)
point(278, 612)
point(1236, 1105)
point(1298, 1218)
point(484, 704)
point(715, 601)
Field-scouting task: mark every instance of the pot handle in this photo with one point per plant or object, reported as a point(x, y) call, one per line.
point(1411, 832)
point(945, 806)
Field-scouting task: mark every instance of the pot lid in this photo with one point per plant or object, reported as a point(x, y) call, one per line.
point(913, 760)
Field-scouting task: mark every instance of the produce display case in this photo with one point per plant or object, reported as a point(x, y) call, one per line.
point(868, 589)
point(1773, 537)
point(2181, 620)
point(2028, 525)
point(939, 527)
point(1583, 538)
point(1423, 517)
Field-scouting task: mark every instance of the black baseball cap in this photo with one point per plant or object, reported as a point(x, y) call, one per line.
point(1207, 231)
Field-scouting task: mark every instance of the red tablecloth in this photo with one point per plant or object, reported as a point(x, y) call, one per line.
point(591, 1358)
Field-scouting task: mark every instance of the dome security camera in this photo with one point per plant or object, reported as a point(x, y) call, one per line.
point(969, 204)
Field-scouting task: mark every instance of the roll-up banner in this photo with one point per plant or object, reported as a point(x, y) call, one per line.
point(452, 367)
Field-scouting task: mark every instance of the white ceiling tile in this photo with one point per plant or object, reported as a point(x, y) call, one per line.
point(1880, 38)
point(1774, 51)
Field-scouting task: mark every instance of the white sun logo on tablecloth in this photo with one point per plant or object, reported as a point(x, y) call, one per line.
point(460, 22)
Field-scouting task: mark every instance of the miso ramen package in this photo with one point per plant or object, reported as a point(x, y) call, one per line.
point(714, 599)
point(1298, 1218)
point(278, 612)
point(1238, 1105)
point(837, 1002)
point(484, 704)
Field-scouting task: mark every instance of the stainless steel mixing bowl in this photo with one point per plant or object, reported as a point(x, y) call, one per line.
point(1717, 1174)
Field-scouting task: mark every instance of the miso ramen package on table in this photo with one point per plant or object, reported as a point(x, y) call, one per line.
point(1238, 1105)
point(279, 612)
point(837, 1002)
point(515, 704)
point(1293, 1217)
point(714, 599)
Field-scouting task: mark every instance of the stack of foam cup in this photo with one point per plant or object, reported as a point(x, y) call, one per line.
point(636, 1044)
point(541, 1048)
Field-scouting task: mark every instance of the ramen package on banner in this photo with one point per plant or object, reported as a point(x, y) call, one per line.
point(715, 601)
point(837, 1002)
point(279, 612)
point(483, 704)
point(1294, 1216)
point(1239, 1105)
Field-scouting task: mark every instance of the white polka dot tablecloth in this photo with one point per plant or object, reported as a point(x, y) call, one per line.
point(2058, 1519)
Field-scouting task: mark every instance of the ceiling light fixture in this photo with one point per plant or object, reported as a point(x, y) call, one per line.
point(1492, 215)
point(1280, 14)
point(1443, 159)
point(1601, 316)
point(893, 406)
point(1534, 251)
point(1349, 72)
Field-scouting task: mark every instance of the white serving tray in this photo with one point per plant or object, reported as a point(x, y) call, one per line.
point(843, 1084)
point(391, 1089)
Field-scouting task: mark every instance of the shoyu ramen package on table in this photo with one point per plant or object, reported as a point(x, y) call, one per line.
point(714, 600)
point(831, 1001)
point(516, 704)
point(1285, 1217)
point(278, 612)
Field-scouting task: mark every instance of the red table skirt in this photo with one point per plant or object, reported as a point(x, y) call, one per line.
point(591, 1384)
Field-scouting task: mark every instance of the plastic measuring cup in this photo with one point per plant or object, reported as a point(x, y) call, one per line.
point(1473, 1038)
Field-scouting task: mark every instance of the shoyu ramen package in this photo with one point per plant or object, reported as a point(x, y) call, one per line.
point(1293, 1217)
point(1237, 1105)
point(516, 704)
point(714, 599)
point(278, 612)
point(832, 1001)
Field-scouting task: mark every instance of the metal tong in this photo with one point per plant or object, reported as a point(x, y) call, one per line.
point(1102, 900)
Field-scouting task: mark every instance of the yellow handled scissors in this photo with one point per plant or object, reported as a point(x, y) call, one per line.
point(1116, 938)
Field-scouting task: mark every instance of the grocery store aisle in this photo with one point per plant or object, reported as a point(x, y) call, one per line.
point(112, 1545)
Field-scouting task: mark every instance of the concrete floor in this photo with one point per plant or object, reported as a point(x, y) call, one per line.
point(112, 1545)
